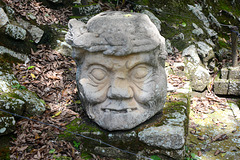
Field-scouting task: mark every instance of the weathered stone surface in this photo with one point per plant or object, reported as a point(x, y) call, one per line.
point(191, 54)
point(120, 61)
point(227, 87)
point(35, 31)
point(205, 52)
point(167, 137)
point(221, 86)
point(234, 87)
point(197, 30)
point(224, 73)
point(56, 1)
point(64, 48)
point(199, 78)
point(19, 56)
point(86, 10)
point(214, 21)
point(7, 124)
point(173, 119)
point(197, 11)
point(169, 47)
point(3, 17)
point(153, 18)
point(15, 32)
point(234, 72)
point(211, 32)
point(179, 36)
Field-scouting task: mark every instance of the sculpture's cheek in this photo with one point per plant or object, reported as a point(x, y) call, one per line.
point(95, 93)
point(145, 91)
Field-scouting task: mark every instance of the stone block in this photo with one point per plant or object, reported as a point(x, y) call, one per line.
point(234, 87)
point(3, 18)
point(15, 32)
point(227, 87)
point(224, 73)
point(234, 72)
point(7, 124)
point(163, 135)
point(221, 86)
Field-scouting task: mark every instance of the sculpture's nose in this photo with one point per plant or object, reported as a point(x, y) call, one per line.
point(120, 88)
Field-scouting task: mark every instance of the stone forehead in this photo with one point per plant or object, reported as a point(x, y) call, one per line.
point(116, 33)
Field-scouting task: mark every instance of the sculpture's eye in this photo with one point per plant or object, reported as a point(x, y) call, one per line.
point(97, 74)
point(141, 72)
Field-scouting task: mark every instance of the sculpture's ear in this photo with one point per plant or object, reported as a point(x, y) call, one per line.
point(75, 29)
point(162, 49)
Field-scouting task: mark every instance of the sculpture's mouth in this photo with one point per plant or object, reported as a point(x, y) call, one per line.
point(125, 110)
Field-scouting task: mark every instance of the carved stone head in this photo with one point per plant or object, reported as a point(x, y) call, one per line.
point(120, 68)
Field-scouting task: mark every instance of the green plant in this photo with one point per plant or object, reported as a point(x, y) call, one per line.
point(154, 157)
point(85, 155)
point(76, 144)
point(30, 67)
point(18, 86)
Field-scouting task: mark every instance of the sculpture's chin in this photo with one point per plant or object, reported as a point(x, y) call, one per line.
point(120, 119)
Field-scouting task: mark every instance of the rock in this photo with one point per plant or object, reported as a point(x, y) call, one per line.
point(34, 106)
point(19, 56)
point(234, 87)
point(87, 10)
point(10, 12)
point(7, 124)
point(227, 87)
point(234, 72)
point(3, 18)
point(12, 104)
point(173, 122)
point(205, 52)
point(167, 137)
point(169, 47)
point(35, 31)
point(153, 18)
point(211, 32)
point(210, 42)
point(15, 32)
point(191, 54)
point(214, 21)
point(179, 36)
point(222, 53)
point(197, 31)
point(64, 48)
point(221, 86)
point(199, 78)
point(56, 1)
point(197, 11)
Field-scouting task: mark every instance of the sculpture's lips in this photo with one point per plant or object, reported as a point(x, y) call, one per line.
point(125, 110)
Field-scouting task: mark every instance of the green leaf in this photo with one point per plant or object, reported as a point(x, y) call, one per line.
point(41, 100)
point(154, 157)
point(18, 86)
point(194, 156)
point(76, 144)
point(184, 24)
point(52, 151)
point(77, 102)
point(85, 155)
point(30, 67)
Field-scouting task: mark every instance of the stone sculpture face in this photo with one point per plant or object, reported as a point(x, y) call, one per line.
point(119, 89)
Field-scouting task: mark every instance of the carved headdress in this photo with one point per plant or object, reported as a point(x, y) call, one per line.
point(116, 33)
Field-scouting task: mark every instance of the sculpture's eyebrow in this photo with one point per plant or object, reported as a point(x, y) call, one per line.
point(143, 60)
point(106, 63)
